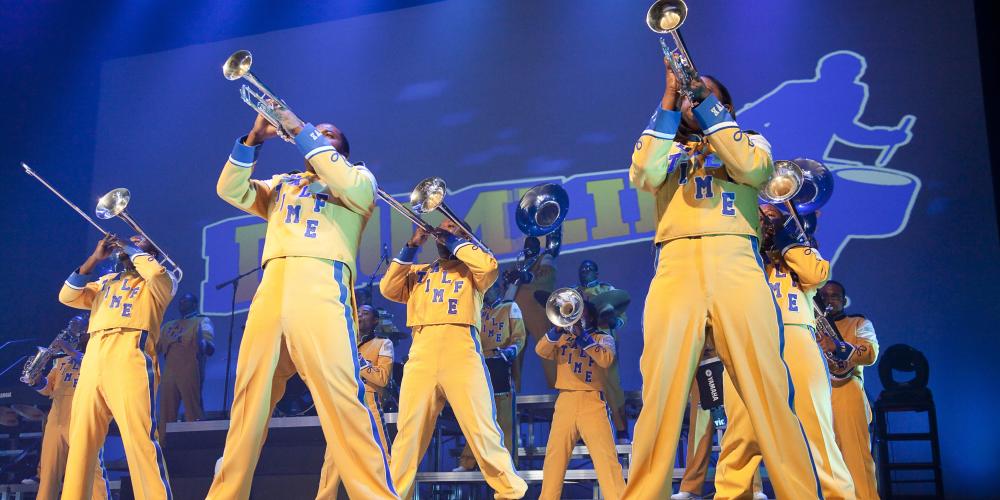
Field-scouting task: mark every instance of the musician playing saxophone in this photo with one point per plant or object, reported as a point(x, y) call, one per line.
point(795, 270)
point(857, 349)
point(60, 385)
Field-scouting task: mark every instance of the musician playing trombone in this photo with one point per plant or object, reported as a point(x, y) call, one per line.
point(303, 314)
point(443, 301)
point(119, 375)
point(795, 270)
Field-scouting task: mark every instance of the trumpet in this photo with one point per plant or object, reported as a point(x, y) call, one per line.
point(264, 102)
point(666, 17)
point(111, 205)
point(35, 365)
point(564, 308)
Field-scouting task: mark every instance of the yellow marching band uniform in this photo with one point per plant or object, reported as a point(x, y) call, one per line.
point(714, 287)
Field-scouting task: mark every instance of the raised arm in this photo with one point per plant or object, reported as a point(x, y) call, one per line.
point(80, 288)
point(747, 157)
point(516, 340)
point(811, 269)
point(650, 162)
point(483, 265)
point(353, 185)
point(549, 344)
point(235, 185)
point(599, 346)
point(395, 285)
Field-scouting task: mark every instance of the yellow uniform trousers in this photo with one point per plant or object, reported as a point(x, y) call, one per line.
point(329, 479)
point(303, 307)
point(852, 416)
point(55, 449)
point(505, 419)
point(721, 279)
point(701, 430)
point(180, 383)
point(446, 365)
point(581, 414)
point(118, 379)
point(740, 457)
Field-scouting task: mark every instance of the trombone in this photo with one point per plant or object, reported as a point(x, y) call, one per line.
point(263, 102)
point(111, 205)
point(666, 17)
point(428, 196)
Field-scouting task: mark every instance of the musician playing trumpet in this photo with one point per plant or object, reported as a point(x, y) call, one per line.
point(60, 385)
point(583, 354)
point(119, 375)
point(795, 270)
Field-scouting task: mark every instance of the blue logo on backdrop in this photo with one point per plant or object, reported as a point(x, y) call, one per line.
point(819, 116)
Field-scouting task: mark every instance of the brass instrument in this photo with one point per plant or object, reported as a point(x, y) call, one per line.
point(564, 308)
point(839, 370)
point(540, 212)
point(429, 195)
point(798, 187)
point(36, 364)
point(111, 205)
point(263, 102)
point(666, 17)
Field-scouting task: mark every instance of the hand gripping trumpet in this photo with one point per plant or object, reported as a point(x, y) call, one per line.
point(264, 101)
point(666, 17)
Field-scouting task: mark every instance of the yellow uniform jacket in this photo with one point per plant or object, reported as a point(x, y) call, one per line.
point(180, 341)
point(702, 187)
point(859, 333)
point(378, 353)
point(794, 281)
point(132, 299)
point(318, 215)
point(62, 378)
point(446, 291)
point(578, 368)
point(503, 327)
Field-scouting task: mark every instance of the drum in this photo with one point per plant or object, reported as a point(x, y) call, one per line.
point(499, 374)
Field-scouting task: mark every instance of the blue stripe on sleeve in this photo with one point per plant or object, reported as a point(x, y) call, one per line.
point(312, 142)
point(78, 281)
point(407, 255)
point(663, 124)
point(243, 155)
point(713, 116)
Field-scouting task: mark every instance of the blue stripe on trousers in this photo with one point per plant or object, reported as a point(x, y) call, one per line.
point(489, 383)
point(150, 379)
point(345, 296)
point(781, 354)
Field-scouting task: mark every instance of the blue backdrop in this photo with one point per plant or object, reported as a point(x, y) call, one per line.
point(494, 96)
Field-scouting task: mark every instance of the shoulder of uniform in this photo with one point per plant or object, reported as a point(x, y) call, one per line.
point(862, 316)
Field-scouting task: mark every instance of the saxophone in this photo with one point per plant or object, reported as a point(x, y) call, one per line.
point(839, 369)
point(35, 366)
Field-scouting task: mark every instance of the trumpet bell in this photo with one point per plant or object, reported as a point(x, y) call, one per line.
point(665, 16)
point(112, 203)
point(237, 65)
point(783, 184)
point(542, 209)
point(428, 195)
point(564, 307)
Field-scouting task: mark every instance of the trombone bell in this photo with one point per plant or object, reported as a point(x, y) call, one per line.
point(564, 307)
point(665, 16)
point(112, 203)
point(428, 195)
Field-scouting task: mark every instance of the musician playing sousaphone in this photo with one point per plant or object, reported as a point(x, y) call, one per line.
point(60, 385)
point(795, 270)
